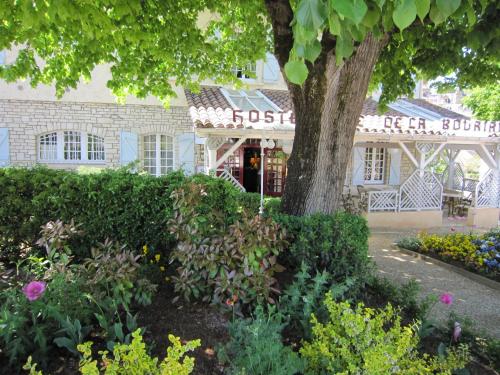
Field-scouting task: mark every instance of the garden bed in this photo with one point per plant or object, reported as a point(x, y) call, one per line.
point(479, 254)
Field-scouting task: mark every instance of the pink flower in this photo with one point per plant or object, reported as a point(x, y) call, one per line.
point(457, 331)
point(446, 298)
point(34, 290)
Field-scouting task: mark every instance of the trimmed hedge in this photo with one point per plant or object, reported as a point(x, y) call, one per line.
point(130, 208)
point(134, 209)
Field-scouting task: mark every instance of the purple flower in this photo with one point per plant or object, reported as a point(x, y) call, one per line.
point(34, 290)
point(446, 298)
point(457, 331)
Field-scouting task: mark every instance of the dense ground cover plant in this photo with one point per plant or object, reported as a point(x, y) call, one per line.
point(256, 346)
point(359, 339)
point(33, 197)
point(335, 243)
point(221, 262)
point(134, 359)
point(53, 301)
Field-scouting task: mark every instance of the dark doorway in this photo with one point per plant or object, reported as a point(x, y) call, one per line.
point(251, 169)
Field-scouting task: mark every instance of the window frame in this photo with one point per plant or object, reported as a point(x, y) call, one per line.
point(244, 94)
point(60, 148)
point(157, 150)
point(372, 181)
point(242, 69)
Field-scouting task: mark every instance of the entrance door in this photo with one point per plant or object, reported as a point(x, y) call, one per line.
point(251, 169)
point(244, 165)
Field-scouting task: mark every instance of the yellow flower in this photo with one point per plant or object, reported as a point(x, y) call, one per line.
point(157, 257)
point(145, 249)
point(162, 269)
point(167, 279)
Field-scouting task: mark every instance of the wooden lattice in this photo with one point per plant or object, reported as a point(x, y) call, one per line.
point(386, 200)
point(226, 175)
point(458, 182)
point(421, 191)
point(488, 190)
point(424, 148)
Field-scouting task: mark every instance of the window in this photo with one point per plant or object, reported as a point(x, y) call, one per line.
point(70, 146)
point(413, 110)
point(48, 147)
point(248, 72)
point(374, 165)
point(249, 100)
point(158, 154)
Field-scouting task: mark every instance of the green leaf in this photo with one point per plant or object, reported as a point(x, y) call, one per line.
point(371, 18)
point(404, 14)
point(435, 15)
point(355, 10)
point(343, 48)
point(312, 51)
point(334, 24)
point(423, 7)
point(311, 14)
point(447, 7)
point(296, 72)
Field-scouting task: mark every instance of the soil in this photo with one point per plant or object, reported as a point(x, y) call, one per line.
point(189, 322)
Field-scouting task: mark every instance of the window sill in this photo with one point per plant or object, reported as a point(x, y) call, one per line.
point(73, 162)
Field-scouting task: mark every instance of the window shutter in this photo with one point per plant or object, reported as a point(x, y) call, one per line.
point(2, 57)
point(358, 166)
point(4, 147)
point(128, 147)
point(271, 68)
point(185, 142)
point(395, 169)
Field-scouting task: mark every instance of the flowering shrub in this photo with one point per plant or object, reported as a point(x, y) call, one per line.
point(133, 359)
point(362, 340)
point(488, 248)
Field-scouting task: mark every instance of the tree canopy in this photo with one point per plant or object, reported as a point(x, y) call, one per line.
point(151, 45)
point(484, 102)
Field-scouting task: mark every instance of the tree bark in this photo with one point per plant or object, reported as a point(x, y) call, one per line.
point(327, 108)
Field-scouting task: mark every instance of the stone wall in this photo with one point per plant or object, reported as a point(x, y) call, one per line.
point(28, 119)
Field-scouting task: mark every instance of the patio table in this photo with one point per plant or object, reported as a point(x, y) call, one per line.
point(452, 197)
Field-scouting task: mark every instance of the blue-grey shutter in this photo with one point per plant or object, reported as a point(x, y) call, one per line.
point(185, 144)
point(4, 147)
point(128, 147)
point(395, 169)
point(358, 166)
point(271, 68)
point(2, 57)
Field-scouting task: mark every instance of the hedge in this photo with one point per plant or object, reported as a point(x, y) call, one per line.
point(130, 208)
point(134, 209)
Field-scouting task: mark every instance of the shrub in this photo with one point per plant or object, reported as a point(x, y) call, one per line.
point(363, 340)
point(250, 202)
point(130, 208)
point(133, 359)
point(335, 243)
point(255, 347)
point(410, 243)
point(220, 262)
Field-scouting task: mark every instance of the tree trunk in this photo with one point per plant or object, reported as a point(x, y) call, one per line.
point(327, 109)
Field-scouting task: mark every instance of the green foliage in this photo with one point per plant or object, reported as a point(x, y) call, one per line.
point(405, 296)
point(255, 347)
point(150, 46)
point(133, 359)
point(33, 197)
point(304, 296)
point(410, 243)
point(78, 298)
point(335, 243)
point(484, 102)
point(221, 262)
point(361, 339)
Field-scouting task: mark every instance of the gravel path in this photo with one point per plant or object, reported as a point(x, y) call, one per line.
point(478, 302)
